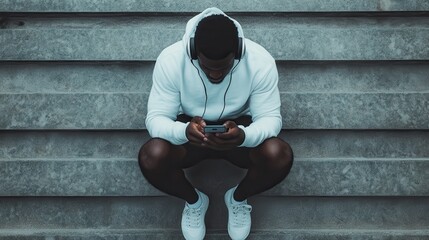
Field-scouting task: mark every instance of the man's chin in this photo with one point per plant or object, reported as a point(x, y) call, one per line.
point(216, 81)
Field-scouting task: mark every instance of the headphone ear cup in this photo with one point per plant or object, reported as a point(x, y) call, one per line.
point(192, 49)
point(239, 52)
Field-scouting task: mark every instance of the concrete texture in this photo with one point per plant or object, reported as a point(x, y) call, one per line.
point(122, 177)
point(138, 38)
point(300, 111)
point(78, 77)
point(268, 213)
point(74, 79)
point(297, 234)
point(73, 111)
point(51, 145)
point(353, 77)
point(355, 111)
point(192, 6)
point(295, 77)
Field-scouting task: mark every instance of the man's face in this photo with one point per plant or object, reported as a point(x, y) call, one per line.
point(216, 70)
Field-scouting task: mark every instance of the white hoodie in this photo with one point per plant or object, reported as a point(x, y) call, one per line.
point(179, 83)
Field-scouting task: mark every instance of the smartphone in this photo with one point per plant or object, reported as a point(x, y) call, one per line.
point(215, 129)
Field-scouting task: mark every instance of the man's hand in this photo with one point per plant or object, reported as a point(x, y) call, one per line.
point(195, 131)
point(233, 138)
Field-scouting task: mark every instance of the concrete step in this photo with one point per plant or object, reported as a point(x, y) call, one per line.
point(48, 6)
point(137, 38)
point(122, 177)
point(300, 111)
point(294, 77)
point(97, 163)
point(292, 234)
point(269, 213)
point(306, 144)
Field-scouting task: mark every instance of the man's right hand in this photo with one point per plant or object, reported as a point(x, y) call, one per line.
point(195, 131)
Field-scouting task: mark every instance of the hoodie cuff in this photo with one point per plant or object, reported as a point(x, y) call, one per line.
point(244, 144)
point(181, 133)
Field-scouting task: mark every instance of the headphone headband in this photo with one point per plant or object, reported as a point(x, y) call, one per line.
point(237, 55)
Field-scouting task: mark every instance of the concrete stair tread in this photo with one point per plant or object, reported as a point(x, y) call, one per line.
point(122, 144)
point(292, 234)
point(121, 176)
point(136, 77)
point(300, 111)
point(136, 39)
point(163, 212)
point(192, 6)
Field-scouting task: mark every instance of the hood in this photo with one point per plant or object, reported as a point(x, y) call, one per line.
point(193, 23)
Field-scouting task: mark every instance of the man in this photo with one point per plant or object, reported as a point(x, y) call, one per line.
point(214, 76)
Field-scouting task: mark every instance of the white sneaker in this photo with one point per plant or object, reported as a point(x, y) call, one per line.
point(193, 226)
point(239, 220)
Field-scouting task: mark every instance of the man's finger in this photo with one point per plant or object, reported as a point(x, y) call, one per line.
point(196, 119)
point(230, 124)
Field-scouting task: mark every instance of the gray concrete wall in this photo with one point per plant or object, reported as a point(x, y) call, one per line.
point(354, 82)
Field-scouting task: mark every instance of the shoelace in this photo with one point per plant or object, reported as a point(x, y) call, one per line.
point(193, 217)
point(241, 214)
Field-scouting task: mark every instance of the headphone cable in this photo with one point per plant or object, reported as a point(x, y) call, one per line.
point(224, 96)
point(205, 89)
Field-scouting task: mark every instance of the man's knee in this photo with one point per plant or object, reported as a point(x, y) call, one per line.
point(154, 154)
point(275, 154)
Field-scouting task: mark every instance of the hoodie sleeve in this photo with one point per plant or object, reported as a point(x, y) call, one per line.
point(164, 103)
point(265, 108)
